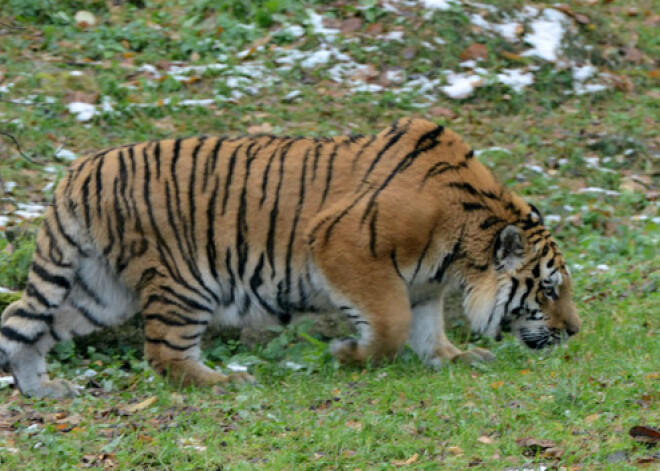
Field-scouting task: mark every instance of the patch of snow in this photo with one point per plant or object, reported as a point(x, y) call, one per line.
point(319, 57)
point(236, 367)
point(461, 86)
point(492, 149)
point(391, 36)
point(318, 28)
point(368, 87)
point(150, 69)
point(66, 154)
point(602, 267)
point(582, 89)
point(582, 73)
point(547, 34)
point(593, 189)
point(294, 30)
point(5, 290)
point(83, 111)
point(516, 79)
point(49, 186)
point(197, 102)
point(508, 31)
point(394, 76)
point(438, 4)
point(536, 168)
point(29, 210)
point(439, 41)
point(4, 220)
point(9, 186)
point(291, 95)
point(553, 218)
point(106, 105)
point(76, 73)
point(5, 88)
point(294, 366)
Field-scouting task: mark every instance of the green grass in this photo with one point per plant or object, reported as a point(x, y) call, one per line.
point(584, 396)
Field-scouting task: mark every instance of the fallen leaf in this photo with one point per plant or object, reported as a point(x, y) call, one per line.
point(474, 51)
point(497, 384)
point(485, 439)
point(351, 25)
point(455, 450)
point(632, 54)
point(80, 97)
point(354, 425)
point(133, 408)
point(411, 460)
point(533, 446)
point(440, 111)
point(654, 458)
point(260, 128)
point(591, 418)
point(645, 434)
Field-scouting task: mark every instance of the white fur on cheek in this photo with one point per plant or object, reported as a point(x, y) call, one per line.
point(484, 306)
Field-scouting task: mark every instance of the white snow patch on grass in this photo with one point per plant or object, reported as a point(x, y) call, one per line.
point(66, 154)
point(318, 28)
point(517, 79)
point(460, 86)
point(547, 34)
point(438, 4)
point(83, 111)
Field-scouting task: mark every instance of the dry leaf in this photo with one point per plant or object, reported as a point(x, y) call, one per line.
point(455, 450)
point(411, 460)
point(645, 434)
point(634, 55)
point(440, 111)
point(260, 128)
point(591, 418)
point(534, 445)
point(80, 97)
point(497, 384)
point(133, 408)
point(485, 439)
point(474, 51)
point(354, 425)
point(351, 25)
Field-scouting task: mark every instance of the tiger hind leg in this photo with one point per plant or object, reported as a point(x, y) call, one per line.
point(175, 320)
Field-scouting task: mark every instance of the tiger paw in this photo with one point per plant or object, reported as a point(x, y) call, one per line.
point(476, 355)
point(241, 378)
point(347, 351)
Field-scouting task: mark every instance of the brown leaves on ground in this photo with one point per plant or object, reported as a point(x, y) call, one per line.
point(543, 448)
point(104, 460)
point(645, 434)
point(474, 51)
point(409, 461)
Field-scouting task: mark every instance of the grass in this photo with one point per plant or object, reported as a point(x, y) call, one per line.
point(584, 396)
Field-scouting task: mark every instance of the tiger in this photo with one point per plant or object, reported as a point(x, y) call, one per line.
point(237, 231)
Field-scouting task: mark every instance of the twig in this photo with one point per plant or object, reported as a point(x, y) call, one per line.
point(11, 26)
point(19, 148)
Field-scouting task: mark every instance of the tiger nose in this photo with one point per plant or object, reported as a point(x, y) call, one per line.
point(571, 330)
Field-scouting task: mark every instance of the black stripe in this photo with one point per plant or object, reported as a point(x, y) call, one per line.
point(270, 238)
point(373, 231)
point(48, 277)
point(473, 206)
point(514, 288)
point(157, 157)
point(188, 300)
point(464, 187)
point(12, 334)
point(88, 315)
point(422, 255)
point(180, 348)
point(358, 155)
point(446, 261)
point(380, 154)
point(264, 179)
point(32, 291)
point(85, 199)
point(396, 264)
point(99, 187)
point(256, 280)
point(242, 246)
point(183, 320)
point(328, 175)
point(60, 227)
point(317, 156)
point(211, 254)
point(470, 154)
point(294, 227)
point(489, 222)
point(230, 176)
point(23, 314)
point(82, 284)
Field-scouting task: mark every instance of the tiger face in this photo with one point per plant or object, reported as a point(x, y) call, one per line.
point(536, 286)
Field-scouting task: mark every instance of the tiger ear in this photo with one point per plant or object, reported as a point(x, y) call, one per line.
point(509, 249)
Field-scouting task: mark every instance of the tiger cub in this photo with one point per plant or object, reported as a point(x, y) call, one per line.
point(249, 230)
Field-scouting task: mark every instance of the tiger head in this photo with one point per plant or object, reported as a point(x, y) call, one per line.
point(533, 299)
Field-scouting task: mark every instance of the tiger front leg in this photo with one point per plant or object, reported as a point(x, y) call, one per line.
point(373, 298)
point(174, 325)
point(429, 340)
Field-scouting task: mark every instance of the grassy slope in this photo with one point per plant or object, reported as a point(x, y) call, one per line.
point(584, 397)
